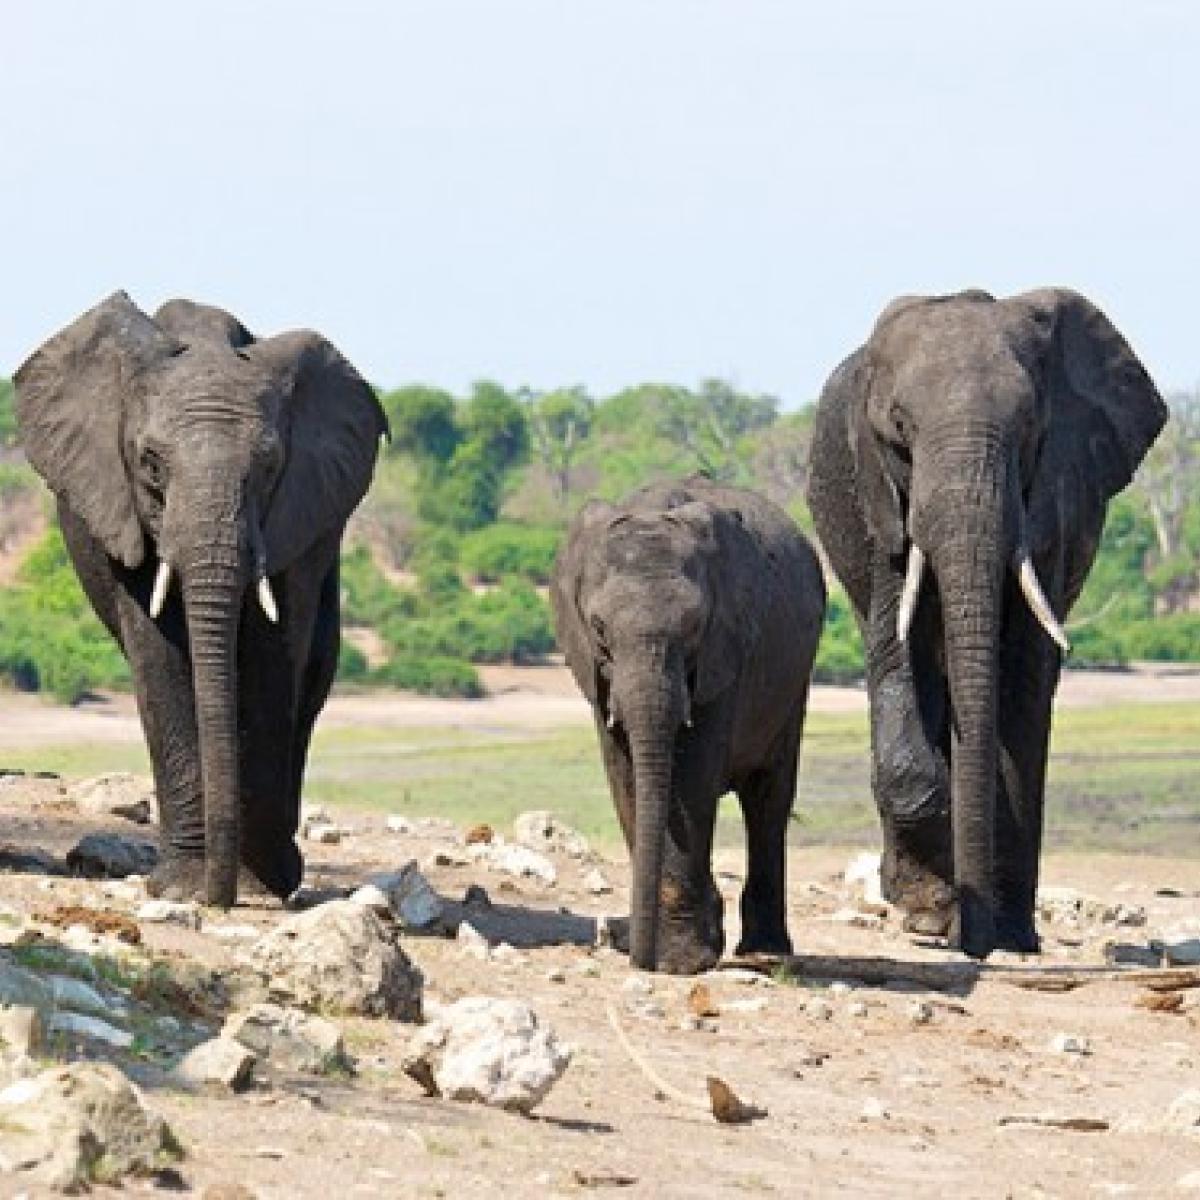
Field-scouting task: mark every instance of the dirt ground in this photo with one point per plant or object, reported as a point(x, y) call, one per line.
point(861, 1099)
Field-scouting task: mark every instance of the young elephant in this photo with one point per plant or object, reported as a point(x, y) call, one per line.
point(689, 616)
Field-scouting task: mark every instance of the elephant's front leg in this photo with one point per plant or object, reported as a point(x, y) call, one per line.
point(909, 777)
point(1029, 669)
point(166, 703)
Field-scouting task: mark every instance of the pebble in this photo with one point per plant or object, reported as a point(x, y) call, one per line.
point(873, 1110)
point(394, 823)
point(1070, 1043)
point(323, 834)
point(919, 1012)
point(819, 1010)
point(595, 882)
point(637, 985)
point(752, 1005)
point(232, 933)
point(169, 912)
point(856, 1008)
point(556, 975)
point(471, 941)
point(220, 1061)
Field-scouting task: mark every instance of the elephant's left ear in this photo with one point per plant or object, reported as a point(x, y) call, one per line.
point(1102, 400)
point(332, 424)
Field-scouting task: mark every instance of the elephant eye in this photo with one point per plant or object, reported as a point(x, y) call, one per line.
point(154, 470)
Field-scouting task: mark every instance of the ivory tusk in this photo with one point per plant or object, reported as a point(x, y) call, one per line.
point(912, 591)
point(611, 721)
point(162, 581)
point(267, 600)
point(1031, 589)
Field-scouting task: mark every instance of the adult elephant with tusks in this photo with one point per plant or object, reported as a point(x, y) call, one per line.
point(203, 479)
point(689, 615)
point(962, 462)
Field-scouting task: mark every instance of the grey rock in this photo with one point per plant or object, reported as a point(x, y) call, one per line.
point(1180, 949)
point(29, 860)
point(411, 898)
point(543, 831)
point(1070, 1043)
point(110, 856)
point(1130, 954)
point(220, 1062)
point(116, 795)
point(289, 1038)
point(69, 1126)
point(76, 1025)
point(487, 1051)
point(23, 988)
point(340, 956)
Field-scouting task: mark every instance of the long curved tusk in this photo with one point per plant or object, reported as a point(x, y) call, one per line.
point(912, 591)
point(1031, 589)
point(267, 599)
point(162, 581)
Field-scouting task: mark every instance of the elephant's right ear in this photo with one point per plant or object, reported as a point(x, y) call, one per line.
point(69, 397)
point(879, 500)
point(570, 624)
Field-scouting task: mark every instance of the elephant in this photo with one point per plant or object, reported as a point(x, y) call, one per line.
point(689, 616)
point(962, 462)
point(203, 478)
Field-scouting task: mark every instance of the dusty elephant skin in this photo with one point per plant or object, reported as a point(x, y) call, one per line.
point(203, 480)
point(689, 616)
point(962, 462)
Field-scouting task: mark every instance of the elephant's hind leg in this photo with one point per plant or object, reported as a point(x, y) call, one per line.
point(766, 798)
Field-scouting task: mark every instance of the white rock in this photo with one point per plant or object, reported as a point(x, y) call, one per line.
point(542, 830)
point(411, 897)
point(220, 1061)
point(1189, 1182)
point(1070, 1043)
point(839, 987)
point(818, 1009)
point(394, 823)
point(1069, 906)
point(873, 1110)
point(856, 1008)
point(15, 929)
point(471, 941)
point(78, 1025)
point(637, 985)
point(1184, 1111)
point(323, 833)
point(857, 917)
point(65, 1123)
point(371, 896)
point(595, 882)
point(519, 861)
point(314, 814)
point(289, 1038)
point(862, 878)
point(117, 795)
point(919, 1012)
point(752, 1004)
point(22, 1029)
point(169, 912)
point(556, 975)
point(339, 955)
point(488, 1051)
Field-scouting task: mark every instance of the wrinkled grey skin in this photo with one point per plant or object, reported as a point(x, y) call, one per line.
point(689, 616)
point(186, 440)
point(977, 429)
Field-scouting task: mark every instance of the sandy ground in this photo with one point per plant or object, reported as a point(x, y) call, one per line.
point(860, 1099)
point(528, 697)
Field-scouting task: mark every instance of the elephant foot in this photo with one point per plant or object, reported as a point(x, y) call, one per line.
point(688, 957)
point(926, 899)
point(277, 874)
point(928, 922)
point(973, 929)
point(1017, 934)
point(178, 878)
point(764, 941)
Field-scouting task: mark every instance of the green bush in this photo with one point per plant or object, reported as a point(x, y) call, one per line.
point(491, 553)
point(352, 664)
point(368, 598)
point(50, 640)
point(840, 654)
point(435, 675)
point(1174, 638)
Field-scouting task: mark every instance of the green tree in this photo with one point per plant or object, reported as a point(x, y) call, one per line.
point(559, 423)
point(424, 423)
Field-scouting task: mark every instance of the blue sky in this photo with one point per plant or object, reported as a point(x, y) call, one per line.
point(599, 191)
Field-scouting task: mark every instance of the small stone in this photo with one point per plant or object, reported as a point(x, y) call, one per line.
point(1184, 1111)
point(556, 975)
point(314, 814)
point(110, 856)
point(219, 1062)
point(862, 876)
point(480, 835)
point(518, 861)
point(372, 896)
point(471, 941)
point(588, 969)
point(1129, 954)
point(752, 1004)
point(919, 1012)
point(233, 933)
point(289, 1038)
point(324, 834)
point(856, 1008)
point(873, 1110)
point(839, 987)
point(394, 823)
point(78, 1025)
point(169, 912)
point(637, 985)
point(22, 1030)
point(73, 1125)
point(819, 1009)
point(1070, 1043)
point(476, 897)
point(488, 1051)
point(115, 795)
point(447, 858)
point(858, 918)
point(595, 882)
point(542, 830)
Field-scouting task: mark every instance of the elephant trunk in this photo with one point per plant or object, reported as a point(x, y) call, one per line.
point(652, 715)
point(970, 544)
point(213, 585)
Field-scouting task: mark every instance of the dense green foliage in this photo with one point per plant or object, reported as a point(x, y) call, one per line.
point(449, 555)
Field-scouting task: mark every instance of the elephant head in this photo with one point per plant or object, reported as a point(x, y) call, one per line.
point(223, 457)
point(655, 630)
point(987, 436)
